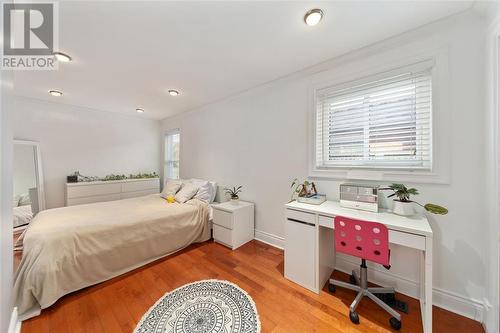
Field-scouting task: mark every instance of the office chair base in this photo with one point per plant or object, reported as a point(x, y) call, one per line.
point(362, 289)
point(395, 323)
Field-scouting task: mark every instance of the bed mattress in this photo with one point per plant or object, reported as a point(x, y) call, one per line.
point(66, 249)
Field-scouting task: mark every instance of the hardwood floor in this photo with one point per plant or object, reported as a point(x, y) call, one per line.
point(117, 305)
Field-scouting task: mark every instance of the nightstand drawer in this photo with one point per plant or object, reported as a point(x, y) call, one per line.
point(223, 235)
point(223, 219)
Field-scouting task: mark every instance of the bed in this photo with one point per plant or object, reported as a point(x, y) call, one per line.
point(69, 248)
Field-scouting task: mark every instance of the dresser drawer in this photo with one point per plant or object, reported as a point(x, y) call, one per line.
point(223, 219)
point(223, 235)
point(81, 191)
point(141, 185)
point(126, 195)
point(92, 199)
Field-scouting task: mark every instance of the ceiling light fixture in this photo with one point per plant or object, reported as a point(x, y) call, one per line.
point(173, 92)
point(62, 57)
point(55, 93)
point(139, 110)
point(313, 16)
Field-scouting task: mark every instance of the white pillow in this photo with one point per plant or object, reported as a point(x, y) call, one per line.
point(204, 192)
point(214, 191)
point(201, 182)
point(24, 199)
point(187, 191)
point(171, 188)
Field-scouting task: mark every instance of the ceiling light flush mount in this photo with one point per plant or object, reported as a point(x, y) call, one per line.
point(173, 92)
point(55, 93)
point(63, 57)
point(139, 110)
point(313, 16)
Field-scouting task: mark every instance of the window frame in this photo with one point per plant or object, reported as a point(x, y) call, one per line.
point(345, 77)
point(165, 146)
point(404, 165)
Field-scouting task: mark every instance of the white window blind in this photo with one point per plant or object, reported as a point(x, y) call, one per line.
point(172, 154)
point(385, 123)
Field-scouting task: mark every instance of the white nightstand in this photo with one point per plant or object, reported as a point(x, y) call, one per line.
point(233, 223)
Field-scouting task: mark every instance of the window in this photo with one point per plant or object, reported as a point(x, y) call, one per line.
point(172, 150)
point(381, 124)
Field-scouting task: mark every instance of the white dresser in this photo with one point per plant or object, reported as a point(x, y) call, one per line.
point(233, 223)
point(89, 192)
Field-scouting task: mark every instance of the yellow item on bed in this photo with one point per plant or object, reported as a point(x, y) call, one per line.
point(170, 199)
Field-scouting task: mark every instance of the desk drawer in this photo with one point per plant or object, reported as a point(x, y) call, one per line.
point(407, 239)
point(325, 221)
point(300, 216)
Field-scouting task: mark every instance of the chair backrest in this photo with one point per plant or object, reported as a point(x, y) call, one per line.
point(362, 239)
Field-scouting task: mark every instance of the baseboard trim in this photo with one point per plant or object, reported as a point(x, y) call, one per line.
point(459, 304)
point(14, 324)
point(270, 239)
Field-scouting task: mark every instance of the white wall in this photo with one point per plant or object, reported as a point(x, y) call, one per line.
point(492, 64)
point(259, 139)
point(96, 143)
point(6, 258)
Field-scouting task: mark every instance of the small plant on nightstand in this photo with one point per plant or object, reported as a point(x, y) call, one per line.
point(233, 193)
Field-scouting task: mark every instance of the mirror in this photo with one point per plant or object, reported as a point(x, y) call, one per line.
point(29, 197)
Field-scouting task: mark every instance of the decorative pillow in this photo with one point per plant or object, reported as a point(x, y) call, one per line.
point(171, 188)
point(204, 192)
point(187, 192)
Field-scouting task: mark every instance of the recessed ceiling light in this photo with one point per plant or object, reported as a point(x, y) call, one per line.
point(313, 16)
point(62, 57)
point(55, 93)
point(139, 110)
point(173, 92)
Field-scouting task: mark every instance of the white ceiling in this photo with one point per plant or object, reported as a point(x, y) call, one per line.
point(128, 54)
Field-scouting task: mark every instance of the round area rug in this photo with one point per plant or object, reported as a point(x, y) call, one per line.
point(208, 306)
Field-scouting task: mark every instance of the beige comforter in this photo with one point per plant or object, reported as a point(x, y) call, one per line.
point(69, 248)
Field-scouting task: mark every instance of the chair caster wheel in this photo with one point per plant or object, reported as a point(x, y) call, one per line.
point(354, 317)
point(352, 280)
point(331, 287)
point(395, 324)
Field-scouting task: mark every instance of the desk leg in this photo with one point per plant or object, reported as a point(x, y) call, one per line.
point(426, 285)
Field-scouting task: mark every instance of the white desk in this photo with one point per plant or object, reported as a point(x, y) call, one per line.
point(310, 252)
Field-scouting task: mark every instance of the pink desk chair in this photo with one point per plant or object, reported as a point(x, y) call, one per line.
point(368, 241)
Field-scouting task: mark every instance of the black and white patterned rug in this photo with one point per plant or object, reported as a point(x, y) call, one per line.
point(209, 306)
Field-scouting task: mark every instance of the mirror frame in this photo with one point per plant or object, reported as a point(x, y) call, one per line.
point(38, 170)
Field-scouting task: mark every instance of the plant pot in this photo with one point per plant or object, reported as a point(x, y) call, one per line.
point(403, 208)
point(235, 200)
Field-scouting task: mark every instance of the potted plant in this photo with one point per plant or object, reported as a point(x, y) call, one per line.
point(404, 206)
point(233, 193)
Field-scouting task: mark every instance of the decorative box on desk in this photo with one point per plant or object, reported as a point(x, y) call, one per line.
point(233, 223)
